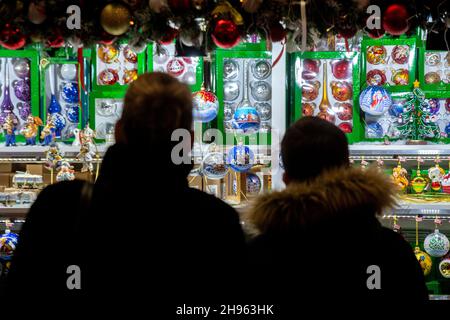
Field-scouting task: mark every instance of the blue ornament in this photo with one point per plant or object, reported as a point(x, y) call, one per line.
point(246, 118)
point(205, 106)
point(60, 122)
point(375, 100)
point(240, 158)
point(253, 183)
point(69, 92)
point(73, 112)
point(396, 109)
point(8, 243)
point(447, 130)
point(54, 106)
point(433, 106)
point(374, 130)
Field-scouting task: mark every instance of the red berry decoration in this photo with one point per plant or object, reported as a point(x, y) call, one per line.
point(225, 34)
point(395, 19)
point(376, 78)
point(346, 127)
point(341, 69)
point(12, 38)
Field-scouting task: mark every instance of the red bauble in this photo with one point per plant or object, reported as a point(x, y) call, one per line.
point(395, 19)
point(12, 38)
point(169, 35)
point(346, 127)
point(277, 32)
point(225, 34)
point(56, 40)
point(341, 69)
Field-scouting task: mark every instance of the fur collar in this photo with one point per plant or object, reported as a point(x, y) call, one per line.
point(338, 194)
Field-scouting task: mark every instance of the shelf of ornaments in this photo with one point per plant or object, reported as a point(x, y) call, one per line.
point(375, 150)
point(22, 153)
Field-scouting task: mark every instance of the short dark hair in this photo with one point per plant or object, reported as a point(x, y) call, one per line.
point(311, 146)
point(155, 105)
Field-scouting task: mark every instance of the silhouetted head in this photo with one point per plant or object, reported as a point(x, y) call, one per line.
point(155, 105)
point(310, 147)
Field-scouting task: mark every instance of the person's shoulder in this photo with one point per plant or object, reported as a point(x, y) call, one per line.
point(208, 202)
point(61, 192)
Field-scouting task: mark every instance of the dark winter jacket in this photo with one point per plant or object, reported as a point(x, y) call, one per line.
point(318, 239)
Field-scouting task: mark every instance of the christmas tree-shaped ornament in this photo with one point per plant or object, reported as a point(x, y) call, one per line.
point(417, 120)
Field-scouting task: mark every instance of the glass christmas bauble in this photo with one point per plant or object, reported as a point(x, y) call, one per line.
point(344, 111)
point(129, 76)
point(22, 89)
point(436, 244)
point(205, 106)
point(22, 68)
point(175, 67)
point(310, 69)
point(310, 90)
point(308, 109)
point(400, 54)
point(444, 267)
point(375, 100)
point(374, 130)
point(230, 69)
point(247, 119)
point(400, 77)
point(264, 110)
point(108, 77)
point(432, 77)
point(253, 183)
point(341, 69)
point(129, 55)
point(68, 71)
point(24, 110)
point(8, 243)
point(261, 90)
point(240, 158)
point(341, 90)
point(70, 93)
point(231, 90)
point(107, 53)
point(376, 55)
point(214, 166)
point(376, 77)
point(261, 69)
point(72, 113)
point(346, 127)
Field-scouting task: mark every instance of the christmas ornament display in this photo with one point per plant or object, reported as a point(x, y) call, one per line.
point(341, 69)
point(424, 261)
point(444, 267)
point(116, 65)
point(175, 67)
point(214, 166)
point(396, 109)
point(436, 244)
point(231, 90)
point(107, 112)
point(240, 158)
point(400, 177)
point(225, 34)
point(375, 77)
point(8, 243)
point(375, 100)
point(253, 184)
point(68, 71)
point(205, 106)
point(395, 19)
point(376, 55)
point(400, 54)
point(432, 77)
point(115, 18)
point(22, 68)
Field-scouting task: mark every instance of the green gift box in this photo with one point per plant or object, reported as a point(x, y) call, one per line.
point(434, 70)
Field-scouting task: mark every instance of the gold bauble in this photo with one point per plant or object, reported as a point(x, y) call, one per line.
point(115, 19)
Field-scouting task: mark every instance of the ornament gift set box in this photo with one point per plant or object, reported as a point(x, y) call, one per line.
point(61, 96)
point(244, 90)
point(326, 85)
point(104, 112)
point(434, 70)
point(19, 87)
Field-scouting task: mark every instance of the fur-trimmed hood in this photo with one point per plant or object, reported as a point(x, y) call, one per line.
point(337, 194)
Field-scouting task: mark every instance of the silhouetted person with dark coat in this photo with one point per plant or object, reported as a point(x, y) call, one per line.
point(148, 241)
point(318, 237)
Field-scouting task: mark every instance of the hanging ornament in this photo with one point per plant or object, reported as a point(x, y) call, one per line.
point(108, 77)
point(73, 112)
point(22, 89)
point(446, 183)
point(341, 90)
point(129, 55)
point(419, 183)
point(240, 158)
point(400, 54)
point(69, 92)
point(251, 6)
point(36, 12)
point(400, 177)
point(107, 54)
point(129, 76)
point(436, 244)
point(424, 261)
point(376, 55)
point(432, 59)
point(199, 4)
point(395, 19)
point(375, 100)
point(8, 244)
point(346, 27)
point(158, 6)
point(436, 174)
point(214, 166)
point(68, 71)
point(308, 109)
point(400, 77)
point(432, 77)
point(115, 18)
point(175, 67)
point(344, 111)
point(225, 34)
point(346, 127)
point(11, 37)
point(253, 184)
point(277, 32)
point(22, 68)
point(376, 77)
point(310, 69)
point(444, 267)
point(310, 90)
point(205, 106)
point(341, 69)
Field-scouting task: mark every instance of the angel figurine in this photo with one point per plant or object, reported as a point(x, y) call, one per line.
point(48, 132)
point(65, 172)
point(9, 129)
point(86, 155)
point(30, 130)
